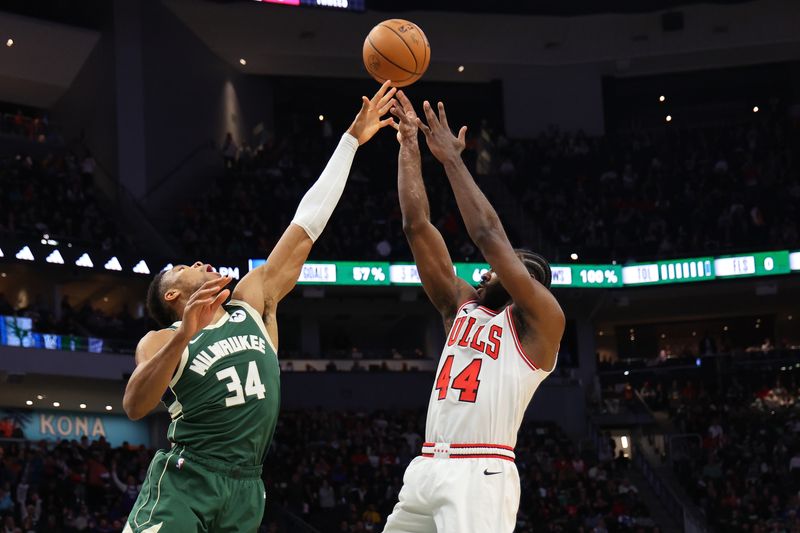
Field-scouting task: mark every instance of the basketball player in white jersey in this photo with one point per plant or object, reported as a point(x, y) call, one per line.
point(502, 342)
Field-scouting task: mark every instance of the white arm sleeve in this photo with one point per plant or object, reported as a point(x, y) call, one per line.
point(317, 205)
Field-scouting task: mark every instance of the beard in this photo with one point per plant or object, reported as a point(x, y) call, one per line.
point(494, 296)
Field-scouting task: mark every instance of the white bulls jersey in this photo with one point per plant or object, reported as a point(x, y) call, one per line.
point(484, 381)
point(465, 480)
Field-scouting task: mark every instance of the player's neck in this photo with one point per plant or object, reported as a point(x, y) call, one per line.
point(218, 315)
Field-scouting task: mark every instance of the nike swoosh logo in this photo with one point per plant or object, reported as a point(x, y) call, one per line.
point(465, 310)
point(487, 473)
point(195, 339)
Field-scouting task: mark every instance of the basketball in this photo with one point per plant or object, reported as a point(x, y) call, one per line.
point(396, 50)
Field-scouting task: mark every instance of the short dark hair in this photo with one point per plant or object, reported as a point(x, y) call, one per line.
point(537, 265)
point(157, 307)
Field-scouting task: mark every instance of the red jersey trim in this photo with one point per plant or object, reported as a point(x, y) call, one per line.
point(475, 456)
point(517, 342)
point(462, 306)
point(478, 445)
point(488, 311)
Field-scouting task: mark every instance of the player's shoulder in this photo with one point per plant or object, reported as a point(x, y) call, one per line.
point(237, 303)
point(153, 341)
point(467, 306)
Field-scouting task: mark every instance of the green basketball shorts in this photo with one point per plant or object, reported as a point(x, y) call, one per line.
point(185, 493)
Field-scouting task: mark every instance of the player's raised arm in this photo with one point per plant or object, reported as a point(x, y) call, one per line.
point(534, 304)
point(445, 290)
point(265, 286)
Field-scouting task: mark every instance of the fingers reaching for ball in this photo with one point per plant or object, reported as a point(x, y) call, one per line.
point(368, 120)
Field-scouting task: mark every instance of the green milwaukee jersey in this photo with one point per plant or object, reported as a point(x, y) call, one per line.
point(225, 395)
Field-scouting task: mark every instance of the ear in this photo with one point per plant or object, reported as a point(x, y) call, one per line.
point(172, 295)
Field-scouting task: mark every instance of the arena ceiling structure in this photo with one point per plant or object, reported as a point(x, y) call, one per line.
point(558, 8)
point(491, 39)
point(39, 59)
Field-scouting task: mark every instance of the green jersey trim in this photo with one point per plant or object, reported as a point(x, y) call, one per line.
point(181, 366)
point(221, 322)
point(258, 319)
point(176, 409)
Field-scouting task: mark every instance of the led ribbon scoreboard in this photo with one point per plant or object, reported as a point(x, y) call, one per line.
point(696, 269)
point(56, 254)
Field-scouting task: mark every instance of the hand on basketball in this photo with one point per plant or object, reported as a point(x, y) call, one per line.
point(368, 121)
point(203, 304)
point(406, 126)
point(443, 144)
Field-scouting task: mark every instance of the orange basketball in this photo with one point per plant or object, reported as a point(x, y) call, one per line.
point(396, 50)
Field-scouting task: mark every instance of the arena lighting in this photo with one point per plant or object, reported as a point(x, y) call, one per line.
point(1, 253)
point(461, 68)
point(141, 268)
point(55, 257)
point(39, 397)
point(25, 254)
point(10, 42)
point(108, 407)
point(321, 118)
point(669, 118)
point(573, 256)
point(242, 61)
point(83, 406)
point(755, 109)
point(84, 261)
point(624, 440)
point(698, 362)
point(662, 98)
point(28, 402)
point(113, 264)
point(56, 404)
point(626, 373)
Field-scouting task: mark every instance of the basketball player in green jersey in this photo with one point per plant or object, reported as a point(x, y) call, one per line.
point(216, 367)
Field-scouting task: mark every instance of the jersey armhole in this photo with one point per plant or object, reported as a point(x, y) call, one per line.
point(259, 320)
point(462, 306)
point(518, 343)
point(181, 366)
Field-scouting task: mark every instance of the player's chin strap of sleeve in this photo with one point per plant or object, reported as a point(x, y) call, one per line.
point(317, 205)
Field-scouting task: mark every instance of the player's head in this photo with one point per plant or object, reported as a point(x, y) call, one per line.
point(170, 290)
point(491, 292)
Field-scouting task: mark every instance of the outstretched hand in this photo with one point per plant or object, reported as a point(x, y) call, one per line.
point(407, 129)
point(368, 120)
point(442, 143)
